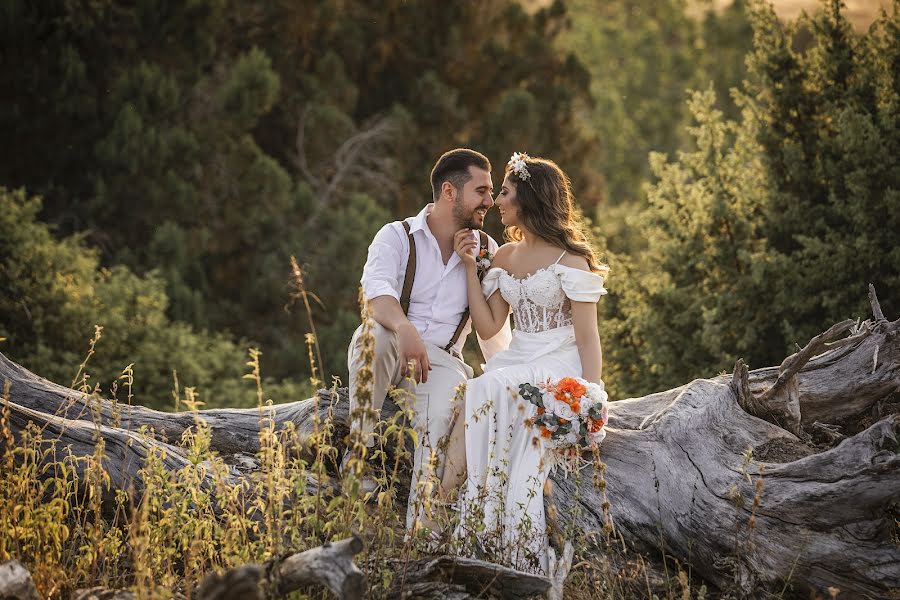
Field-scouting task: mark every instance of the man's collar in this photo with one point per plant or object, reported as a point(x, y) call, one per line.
point(420, 220)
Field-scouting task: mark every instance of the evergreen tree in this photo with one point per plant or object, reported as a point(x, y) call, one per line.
point(828, 129)
point(771, 230)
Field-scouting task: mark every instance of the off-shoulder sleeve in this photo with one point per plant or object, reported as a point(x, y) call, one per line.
point(491, 282)
point(579, 285)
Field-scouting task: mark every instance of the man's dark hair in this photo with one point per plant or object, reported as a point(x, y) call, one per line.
point(453, 166)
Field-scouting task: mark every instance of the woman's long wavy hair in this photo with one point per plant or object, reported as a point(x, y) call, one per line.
point(547, 209)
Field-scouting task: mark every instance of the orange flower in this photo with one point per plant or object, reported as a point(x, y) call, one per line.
point(545, 433)
point(540, 410)
point(594, 426)
point(561, 420)
point(576, 406)
point(569, 389)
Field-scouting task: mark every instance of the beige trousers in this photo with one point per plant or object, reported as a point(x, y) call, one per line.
point(431, 402)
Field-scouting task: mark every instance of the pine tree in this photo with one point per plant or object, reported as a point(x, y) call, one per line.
point(771, 230)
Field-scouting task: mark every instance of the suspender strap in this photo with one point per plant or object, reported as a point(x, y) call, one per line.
point(410, 271)
point(465, 317)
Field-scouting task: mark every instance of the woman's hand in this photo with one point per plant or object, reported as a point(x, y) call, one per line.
point(464, 242)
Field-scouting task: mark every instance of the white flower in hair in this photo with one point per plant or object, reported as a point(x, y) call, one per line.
point(517, 164)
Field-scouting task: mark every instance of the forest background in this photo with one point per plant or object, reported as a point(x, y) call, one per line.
point(160, 162)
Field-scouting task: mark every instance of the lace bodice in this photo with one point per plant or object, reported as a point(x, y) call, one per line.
point(538, 302)
point(542, 301)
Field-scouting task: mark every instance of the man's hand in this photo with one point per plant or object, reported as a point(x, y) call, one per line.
point(464, 242)
point(412, 350)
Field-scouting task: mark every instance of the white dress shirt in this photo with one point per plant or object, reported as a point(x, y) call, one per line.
point(438, 297)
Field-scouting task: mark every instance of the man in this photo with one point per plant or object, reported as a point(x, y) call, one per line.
point(419, 349)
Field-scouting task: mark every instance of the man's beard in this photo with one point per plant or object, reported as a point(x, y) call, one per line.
point(463, 220)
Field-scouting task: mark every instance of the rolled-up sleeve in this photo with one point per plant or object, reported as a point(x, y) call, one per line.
point(382, 275)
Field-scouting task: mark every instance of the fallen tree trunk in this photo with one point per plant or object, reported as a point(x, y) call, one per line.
point(677, 474)
point(679, 477)
point(232, 430)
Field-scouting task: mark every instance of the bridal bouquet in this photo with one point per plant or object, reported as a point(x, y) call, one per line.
point(571, 412)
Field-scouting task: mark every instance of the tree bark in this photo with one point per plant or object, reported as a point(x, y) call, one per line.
point(677, 481)
point(16, 582)
point(329, 566)
point(233, 430)
point(682, 466)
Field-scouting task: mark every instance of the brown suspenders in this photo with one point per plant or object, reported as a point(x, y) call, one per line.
point(410, 271)
point(411, 274)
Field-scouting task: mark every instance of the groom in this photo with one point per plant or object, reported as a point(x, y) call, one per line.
point(415, 285)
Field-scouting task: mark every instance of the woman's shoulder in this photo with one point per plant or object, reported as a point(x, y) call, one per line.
point(503, 254)
point(506, 248)
point(575, 261)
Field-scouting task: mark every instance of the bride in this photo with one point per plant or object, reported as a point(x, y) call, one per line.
point(550, 279)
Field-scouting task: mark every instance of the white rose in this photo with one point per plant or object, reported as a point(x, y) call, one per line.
point(597, 436)
point(550, 401)
point(596, 392)
point(571, 438)
point(563, 411)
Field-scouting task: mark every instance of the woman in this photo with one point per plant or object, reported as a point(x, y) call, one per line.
point(550, 279)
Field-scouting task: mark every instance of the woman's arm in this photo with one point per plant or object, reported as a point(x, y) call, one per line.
point(488, 315)
point(584, 318)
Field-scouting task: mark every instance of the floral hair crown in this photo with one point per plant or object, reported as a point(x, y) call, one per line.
point(517, 165)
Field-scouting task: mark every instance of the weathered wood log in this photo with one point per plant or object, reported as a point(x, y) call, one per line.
point(16, 582)
point(232, 430)
point(330, 566)
point(558, 570)
point(463, 578)
point(677, 473)
point(848, 377)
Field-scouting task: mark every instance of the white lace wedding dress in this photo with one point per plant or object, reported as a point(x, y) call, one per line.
point(502, 502)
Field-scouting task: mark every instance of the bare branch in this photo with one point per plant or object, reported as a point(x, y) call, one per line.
point(793, 363)
point(876, 306)
point(300, 145)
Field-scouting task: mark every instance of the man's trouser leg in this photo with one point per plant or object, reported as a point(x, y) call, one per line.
point(385, 373)
point(431, 421)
